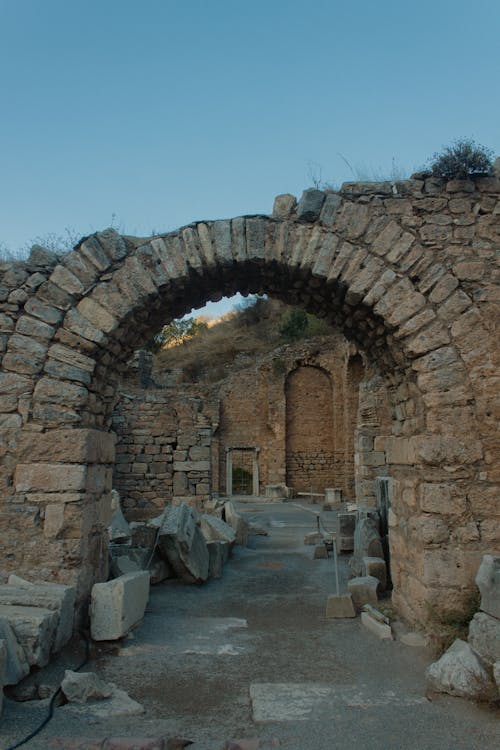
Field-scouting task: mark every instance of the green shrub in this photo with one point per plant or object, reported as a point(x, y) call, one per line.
point(462, 160)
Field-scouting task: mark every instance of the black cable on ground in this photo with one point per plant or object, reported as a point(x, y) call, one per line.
point(52, 702)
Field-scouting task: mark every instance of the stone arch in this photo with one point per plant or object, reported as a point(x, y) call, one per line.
point(405, 270)
point(310, 438)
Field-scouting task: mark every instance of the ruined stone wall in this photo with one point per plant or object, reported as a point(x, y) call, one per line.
point(407, 270)
point(162, 450)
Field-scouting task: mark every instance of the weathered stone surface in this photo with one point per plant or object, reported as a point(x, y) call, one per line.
point(215, 558)
point(81, 687)
point(35, 629)
point(182, 543)
point(380, 629)
point(3, 669)
point(310, 204)
point(118, 529)
point(488, 582)
point(284, 205)
point(125, 559)
point(16, 665)
point(238, 523)
point(54, 596)
point(118, 605)
point(363, 590)
point(484, 636)
point(459, 672)
point(215, 529)
point(367, 541)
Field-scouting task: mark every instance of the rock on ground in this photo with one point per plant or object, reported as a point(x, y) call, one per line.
point(35, 629)
point(16, 665)
point(118, 605)
point(81, 687)
point(215, 529)
point(181, 542)
point(459, 672)
point(484, 637)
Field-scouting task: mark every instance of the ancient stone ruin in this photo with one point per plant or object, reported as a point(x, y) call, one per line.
point(405, 271)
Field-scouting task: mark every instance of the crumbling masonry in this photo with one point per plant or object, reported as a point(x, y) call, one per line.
point(406, 271)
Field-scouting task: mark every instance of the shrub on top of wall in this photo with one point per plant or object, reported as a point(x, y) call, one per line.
point(462, 160)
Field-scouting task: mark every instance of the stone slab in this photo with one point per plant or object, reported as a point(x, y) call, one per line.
point(488, 582)
point(35, 629)
point(484, 637)
point(118, 605)
point(16, 665)
point(376, 567)
point(237, 522)
point(363, 590)
point(215, 529)
point(181, 542)
point(54, 596)
point(380, 629)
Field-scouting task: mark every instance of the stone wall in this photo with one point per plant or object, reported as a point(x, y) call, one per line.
point(406, 270)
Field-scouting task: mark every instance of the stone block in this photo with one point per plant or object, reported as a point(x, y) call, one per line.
point(488, 582)
point(275, 492)
point(35, 630)
point(333, 497)
point(16, 665)
point(380, 629)
point(54, 596)
point(459, 672)
point(237, 522)
point(215, 529)
point(339, 606)
point(310, 204)
point(484, 637)
point(182, 543)
point(346, 524)
point(363, 590)
point(346, 543)
point(313, 537)
point(320, 552)
point(283, 206)
point(125, 559)
point(376, 567)
point(118, 605)
point(81, 687)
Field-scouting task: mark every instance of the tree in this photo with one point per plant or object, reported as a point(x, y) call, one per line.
point(176, 332)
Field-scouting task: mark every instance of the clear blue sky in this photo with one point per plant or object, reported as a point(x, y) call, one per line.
point(161, 112)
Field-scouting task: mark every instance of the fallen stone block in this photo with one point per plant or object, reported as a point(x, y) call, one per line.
point(215, 529)
point(367, 540)
point(181, 542)
point(81, 687)
point(488, 582)
point(346, 524)
point(54, 596)
point(143, 534)
point(237, 522)
point(380, 629)
point(16, 665)
point(118, 605)
point(118, 528)
point(275, 493)
point(484, 637)
point(376, 567)
point(35, 630)
point(333, 497)
point(339, 606)
point(159, 570)
point(118, 704)
point(376, 613)
point(363, 590)
point(459, 672)
point(125, 559)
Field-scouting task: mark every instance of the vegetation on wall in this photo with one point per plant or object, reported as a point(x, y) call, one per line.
point(463, 159)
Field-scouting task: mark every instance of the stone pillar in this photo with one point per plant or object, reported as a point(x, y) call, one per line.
point(229, 472)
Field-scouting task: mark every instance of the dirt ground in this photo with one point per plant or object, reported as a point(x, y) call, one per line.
point(252, 655)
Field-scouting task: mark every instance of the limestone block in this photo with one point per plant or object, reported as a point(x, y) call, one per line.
point(363, 590)
point(380, 629)
point(35, 629)
point(215, 529)
point(310, 204)
point(237, 522)
point(339, 607)
point(488, 582)
point(143, 534)
point(16, 666)
point(275, 492)
point(283, 206)
point(376, 567)
point(182, 543)
point(118, 605)
point(80, 687)
point(53, 596)
point(459, 672)
point(484, 636)
point(125, 559)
